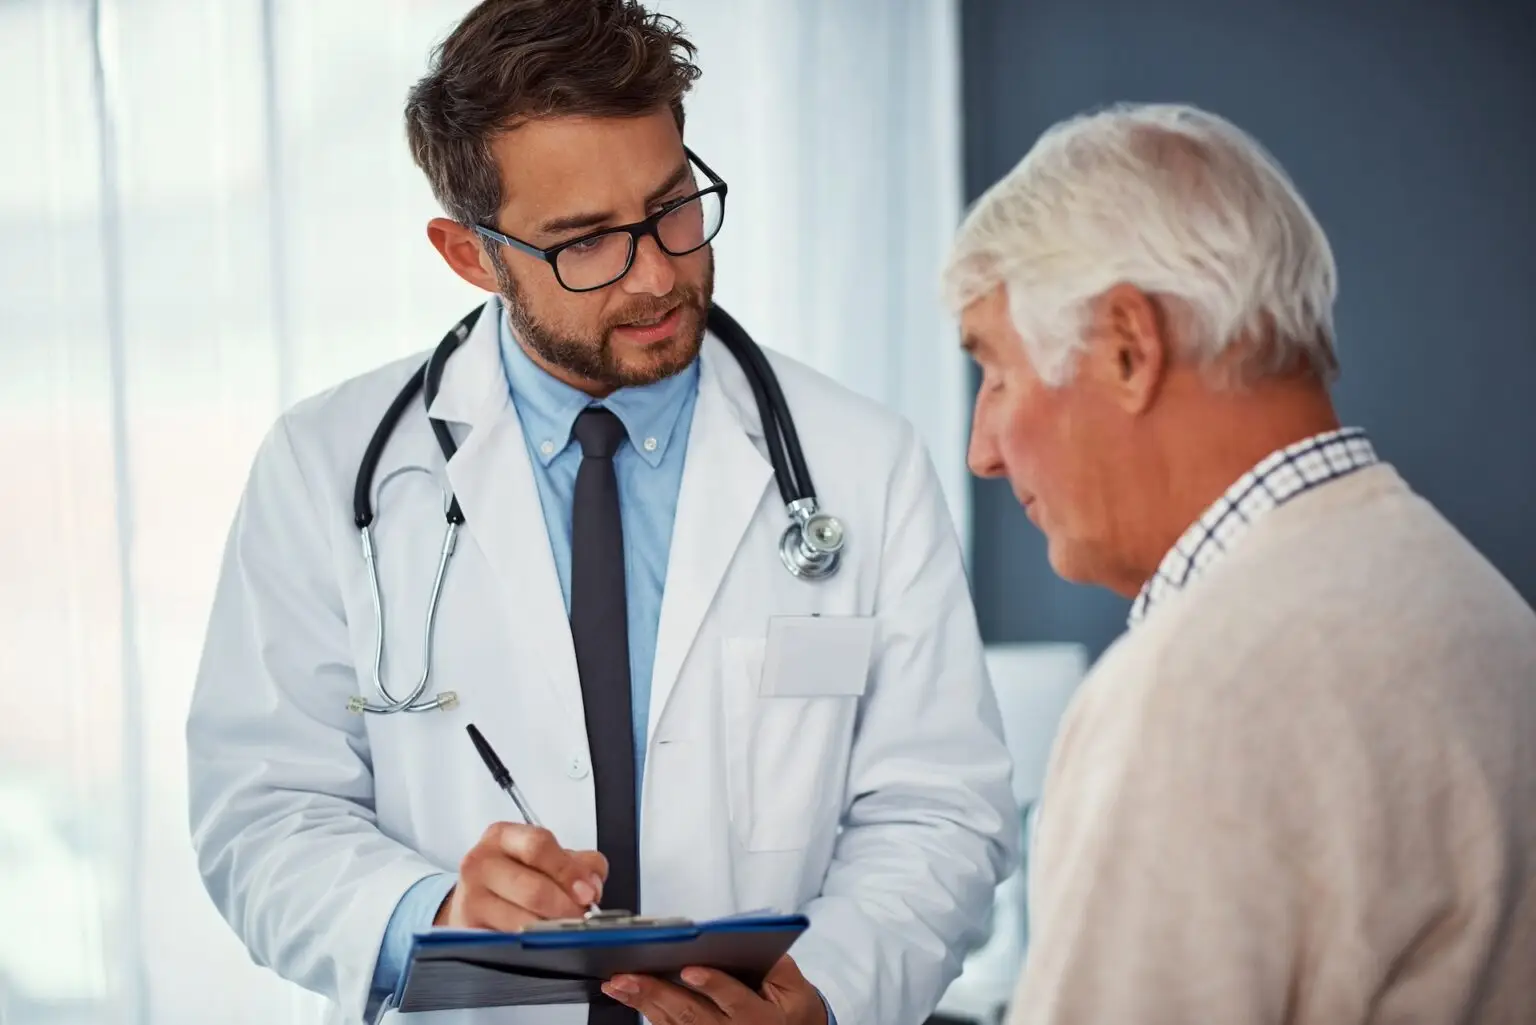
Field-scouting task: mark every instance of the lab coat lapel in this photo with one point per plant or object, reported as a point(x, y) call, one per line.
point(724, 479)
point(503, 515)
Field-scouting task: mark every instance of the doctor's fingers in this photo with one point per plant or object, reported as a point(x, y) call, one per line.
point(734, 998)
point(506, 895)
point(577, 871)
point(664, 1003)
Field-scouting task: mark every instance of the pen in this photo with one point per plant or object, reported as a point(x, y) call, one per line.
point(504, 780)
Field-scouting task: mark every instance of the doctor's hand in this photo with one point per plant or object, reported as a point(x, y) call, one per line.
point(709, 997)
point(518, 874)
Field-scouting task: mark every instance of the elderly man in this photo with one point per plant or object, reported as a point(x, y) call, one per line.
point(1302, 787)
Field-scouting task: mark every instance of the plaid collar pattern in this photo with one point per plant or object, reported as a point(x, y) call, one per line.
point(1279, 477)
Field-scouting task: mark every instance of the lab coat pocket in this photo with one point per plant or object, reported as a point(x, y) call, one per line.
point(791, 704)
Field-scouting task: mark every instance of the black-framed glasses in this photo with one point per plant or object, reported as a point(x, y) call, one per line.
point(599, 258)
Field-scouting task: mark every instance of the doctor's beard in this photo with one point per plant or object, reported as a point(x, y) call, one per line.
point(592, 357)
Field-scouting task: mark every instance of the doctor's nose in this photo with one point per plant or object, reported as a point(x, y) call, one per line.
point(651, 272)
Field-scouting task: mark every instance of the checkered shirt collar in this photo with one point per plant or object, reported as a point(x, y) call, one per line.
point(1279, 477)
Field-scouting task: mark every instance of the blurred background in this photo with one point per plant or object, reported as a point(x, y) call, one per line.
point(207, 212)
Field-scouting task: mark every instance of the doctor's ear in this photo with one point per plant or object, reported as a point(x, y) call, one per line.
point(462, 249)
point(1130, 346)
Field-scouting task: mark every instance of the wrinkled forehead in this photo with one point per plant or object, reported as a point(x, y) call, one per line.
point(585, 171)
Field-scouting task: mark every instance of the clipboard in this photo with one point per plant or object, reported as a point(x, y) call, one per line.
point(567, 961)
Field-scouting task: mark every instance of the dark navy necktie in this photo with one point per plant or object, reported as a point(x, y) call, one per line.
point(600, 633)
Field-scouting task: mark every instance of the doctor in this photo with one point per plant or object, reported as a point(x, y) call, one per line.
point(700, 731)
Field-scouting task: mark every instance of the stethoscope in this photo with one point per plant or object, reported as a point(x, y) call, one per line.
point(810, 546)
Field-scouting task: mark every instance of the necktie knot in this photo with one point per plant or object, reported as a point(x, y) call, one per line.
point(599, 432)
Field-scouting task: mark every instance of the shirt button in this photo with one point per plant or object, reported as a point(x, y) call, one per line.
point(548, 448)
point(576, 768)
point(650, 444)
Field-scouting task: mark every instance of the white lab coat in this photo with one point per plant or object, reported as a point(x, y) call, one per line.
point(310, 822)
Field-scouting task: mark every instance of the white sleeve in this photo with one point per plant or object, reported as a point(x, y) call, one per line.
point(931, 825)
point(281, 795)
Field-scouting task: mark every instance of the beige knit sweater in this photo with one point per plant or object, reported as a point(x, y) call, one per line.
point(1301, 791)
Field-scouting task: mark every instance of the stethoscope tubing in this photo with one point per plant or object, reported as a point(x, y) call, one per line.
point(804, 558)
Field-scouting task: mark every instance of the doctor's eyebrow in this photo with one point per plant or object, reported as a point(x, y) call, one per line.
point(576, 221)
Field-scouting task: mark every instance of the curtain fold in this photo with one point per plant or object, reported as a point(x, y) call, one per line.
point(207, 212)
point(128, 821)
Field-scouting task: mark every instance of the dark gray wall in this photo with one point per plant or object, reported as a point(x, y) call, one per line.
point(1410, 127)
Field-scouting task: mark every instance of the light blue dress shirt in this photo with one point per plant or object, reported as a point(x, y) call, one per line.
point(657, 418)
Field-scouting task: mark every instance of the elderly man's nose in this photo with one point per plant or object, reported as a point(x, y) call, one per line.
point(983, 457)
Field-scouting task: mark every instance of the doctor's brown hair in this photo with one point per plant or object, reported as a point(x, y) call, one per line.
point(511, 61)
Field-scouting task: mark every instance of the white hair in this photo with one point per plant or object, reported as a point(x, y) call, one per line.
point(1173, 200)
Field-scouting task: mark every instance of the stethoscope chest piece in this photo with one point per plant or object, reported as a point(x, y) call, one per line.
point(811, 546)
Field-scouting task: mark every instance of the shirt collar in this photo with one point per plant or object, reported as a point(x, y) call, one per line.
point(548, 407)
point(1274, 480)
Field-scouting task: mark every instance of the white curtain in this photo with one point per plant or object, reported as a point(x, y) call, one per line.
point(207, 211)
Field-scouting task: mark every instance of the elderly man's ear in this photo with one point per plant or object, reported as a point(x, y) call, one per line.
point(1129, 347)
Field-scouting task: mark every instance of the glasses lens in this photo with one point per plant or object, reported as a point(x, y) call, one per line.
point(594, 262)
point(687, 227)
